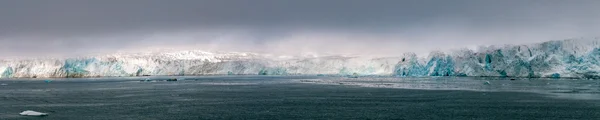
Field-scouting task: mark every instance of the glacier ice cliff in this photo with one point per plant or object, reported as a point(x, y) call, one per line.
point(565, 58)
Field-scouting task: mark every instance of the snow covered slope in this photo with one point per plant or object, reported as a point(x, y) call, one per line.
point(567, 58)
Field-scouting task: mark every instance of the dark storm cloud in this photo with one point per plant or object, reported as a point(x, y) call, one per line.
point(41, 27)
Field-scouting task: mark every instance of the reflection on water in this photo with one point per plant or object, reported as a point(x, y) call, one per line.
point(563, 88)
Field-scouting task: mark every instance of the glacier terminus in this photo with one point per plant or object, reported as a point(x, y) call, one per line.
point(573, 58)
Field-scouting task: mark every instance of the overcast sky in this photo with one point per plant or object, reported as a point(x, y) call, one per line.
point(386, 27)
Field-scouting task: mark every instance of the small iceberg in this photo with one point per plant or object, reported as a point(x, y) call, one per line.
point(47, 81)
point(487, 83)
point(32, 113)
point(3, 84)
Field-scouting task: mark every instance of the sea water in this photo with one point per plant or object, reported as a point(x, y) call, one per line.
point(301, 97)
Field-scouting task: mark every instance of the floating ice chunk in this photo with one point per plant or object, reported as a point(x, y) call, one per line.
point(32, 113)
point(487, 83)
point(3, 84)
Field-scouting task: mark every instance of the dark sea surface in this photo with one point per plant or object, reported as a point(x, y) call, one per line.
point(301, 97)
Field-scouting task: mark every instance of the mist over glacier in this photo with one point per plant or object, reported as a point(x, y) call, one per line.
point(576, 58)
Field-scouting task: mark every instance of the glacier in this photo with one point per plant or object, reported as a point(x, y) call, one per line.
point(573, 58)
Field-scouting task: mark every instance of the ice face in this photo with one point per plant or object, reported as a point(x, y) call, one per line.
point(566, 58)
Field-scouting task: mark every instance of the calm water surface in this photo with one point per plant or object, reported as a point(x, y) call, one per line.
point(278, 97)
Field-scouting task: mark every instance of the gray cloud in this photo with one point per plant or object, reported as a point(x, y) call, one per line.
point(79, 27)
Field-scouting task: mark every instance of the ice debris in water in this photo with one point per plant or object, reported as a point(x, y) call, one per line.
point(3, 84)
point(487, 83)
point(146, 80)
point(47, 81)
point(33, 113)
